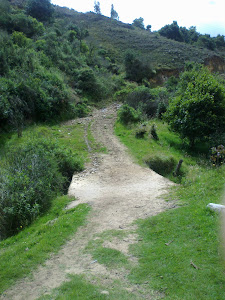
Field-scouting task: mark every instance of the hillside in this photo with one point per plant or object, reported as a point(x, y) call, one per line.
point(162, 53)
point(107, 160)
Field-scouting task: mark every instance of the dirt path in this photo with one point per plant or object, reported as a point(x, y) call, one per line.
point(119, 192)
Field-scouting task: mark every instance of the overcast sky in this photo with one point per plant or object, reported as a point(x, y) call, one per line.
point(207, 15)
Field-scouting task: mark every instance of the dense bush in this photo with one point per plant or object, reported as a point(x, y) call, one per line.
point(42, 10)
point(136, 69)
point(26, 24)
point(43, 96)
point(128, 115)
point(162, 165)
point(198, 110)
point(31, 175)
point(151, 102)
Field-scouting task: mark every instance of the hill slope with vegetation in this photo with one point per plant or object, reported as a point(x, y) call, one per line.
point(58, 65)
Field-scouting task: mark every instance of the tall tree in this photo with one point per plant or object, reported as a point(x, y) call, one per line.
point(114, 14)
point(97, 8)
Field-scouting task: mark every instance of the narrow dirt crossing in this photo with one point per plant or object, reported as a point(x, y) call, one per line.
point(119, 192)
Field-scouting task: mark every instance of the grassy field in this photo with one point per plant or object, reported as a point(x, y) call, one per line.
point(179, 250)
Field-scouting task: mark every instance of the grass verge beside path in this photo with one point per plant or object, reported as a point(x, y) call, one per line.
point(179, 250)
point(25, 251)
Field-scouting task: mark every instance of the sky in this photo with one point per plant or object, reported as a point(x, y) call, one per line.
point(207, 15)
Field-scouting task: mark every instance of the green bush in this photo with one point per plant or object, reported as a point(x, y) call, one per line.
point(28, 182)
point(44, 93)
point(153, 132)
point(81, 109)
point(87, 82)
point(141, 131)
point(128, 115)
point(42, 10)
point(137, 70)
point(198, 111)
point(162, 165)
point(31, 175)
point(26, 24)
point(151, 102)
point(20, 39)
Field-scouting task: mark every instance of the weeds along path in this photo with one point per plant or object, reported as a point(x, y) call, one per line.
point(119, 192)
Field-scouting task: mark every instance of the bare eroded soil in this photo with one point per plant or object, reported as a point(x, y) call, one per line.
point(119, 192)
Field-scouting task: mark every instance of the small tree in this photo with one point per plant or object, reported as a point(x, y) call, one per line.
point(114, 14)
point(80, 32)
point(149, 28)
point(172, 32)
point(16, 113)
point(139, 23)
point(42, 10)
point(97, 9)
point(198, 111)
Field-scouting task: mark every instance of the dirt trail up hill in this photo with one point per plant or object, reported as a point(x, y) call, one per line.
point(119, 192)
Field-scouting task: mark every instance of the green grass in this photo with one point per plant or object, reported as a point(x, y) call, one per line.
point(168, 145)
point(109, 257)
point(191, 230)
point(69, 136)
point(25, 251)
point(79, 288)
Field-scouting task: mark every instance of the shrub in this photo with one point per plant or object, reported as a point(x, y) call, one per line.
point(136, 70)
point(162, 165)
point(43, 93)
point(81, 109)
point(20, 39)
point(30, 177)
point(128, 115)
point(217, 155)
point(27, 184)
point(151, 102)
point(199, 109)
point(153, 132)
point(87, 82)
point(141, 131)
point(26, 24)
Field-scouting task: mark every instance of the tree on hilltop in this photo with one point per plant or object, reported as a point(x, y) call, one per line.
point(149, 28)
point(97, 8)
point(172, 32)
point(114, 14)
point(139, 23)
